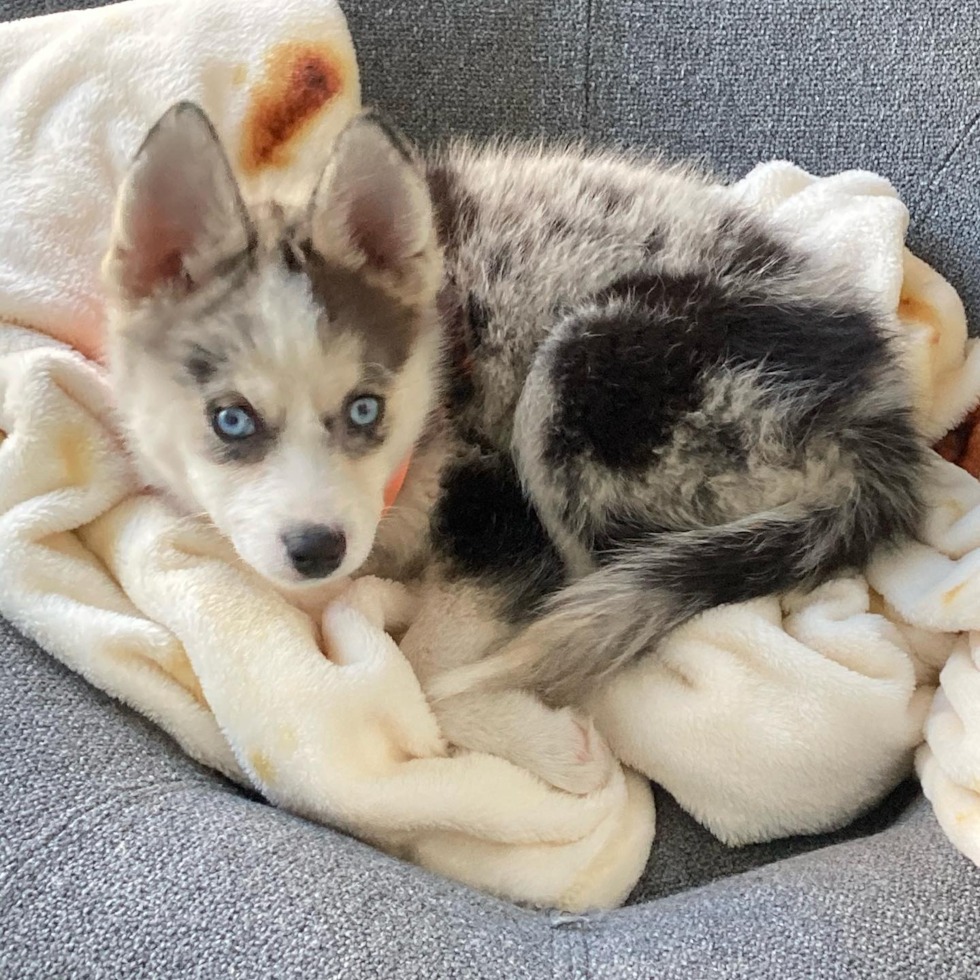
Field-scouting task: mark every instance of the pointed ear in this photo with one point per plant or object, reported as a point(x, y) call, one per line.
point(178, 210)
point(372, 205)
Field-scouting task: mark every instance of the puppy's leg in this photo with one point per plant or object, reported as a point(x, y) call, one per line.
point(455, 624)
point(388, 606)
point(560, 746)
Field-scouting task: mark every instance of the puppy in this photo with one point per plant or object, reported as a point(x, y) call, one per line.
point(621, 399)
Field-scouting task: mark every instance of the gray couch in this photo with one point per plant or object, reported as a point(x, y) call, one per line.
point(121, 858)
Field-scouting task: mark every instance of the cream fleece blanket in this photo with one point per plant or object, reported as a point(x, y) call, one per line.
point(762, 719)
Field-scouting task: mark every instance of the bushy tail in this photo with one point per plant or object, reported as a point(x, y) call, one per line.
point(626, 608)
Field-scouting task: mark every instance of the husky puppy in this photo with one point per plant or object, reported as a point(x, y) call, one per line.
point(625, 400)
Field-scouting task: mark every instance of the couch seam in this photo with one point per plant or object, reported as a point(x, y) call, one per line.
point(571, 930)
point(43, 846)
point(587, 68)
point(924, 200)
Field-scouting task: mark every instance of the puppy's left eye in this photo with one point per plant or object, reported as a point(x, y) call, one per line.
point(234, 422)
point(364, 411)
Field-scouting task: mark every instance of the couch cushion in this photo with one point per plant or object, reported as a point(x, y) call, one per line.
point(121, 857)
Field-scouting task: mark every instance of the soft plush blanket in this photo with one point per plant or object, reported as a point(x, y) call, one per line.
point(763, 719)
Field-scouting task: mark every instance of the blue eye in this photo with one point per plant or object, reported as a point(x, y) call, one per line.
point(364, 411)
point(235, 422)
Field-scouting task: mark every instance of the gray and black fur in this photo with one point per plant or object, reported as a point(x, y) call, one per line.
point(664, 407)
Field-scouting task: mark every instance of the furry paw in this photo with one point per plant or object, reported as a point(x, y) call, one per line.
point(570, 754)
point(560, 746)
point(388, 606)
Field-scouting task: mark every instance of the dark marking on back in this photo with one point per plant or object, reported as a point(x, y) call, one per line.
point(625, 379)
point(621, 383)
point(746, 248)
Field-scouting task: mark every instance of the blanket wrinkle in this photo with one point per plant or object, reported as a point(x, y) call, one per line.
point(774, 717)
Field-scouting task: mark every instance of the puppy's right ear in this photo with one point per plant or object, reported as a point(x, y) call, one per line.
point(178, 211)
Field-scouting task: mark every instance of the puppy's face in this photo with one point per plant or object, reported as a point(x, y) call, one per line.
point(274, 369)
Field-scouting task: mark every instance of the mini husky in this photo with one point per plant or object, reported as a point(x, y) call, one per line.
point(623, 399)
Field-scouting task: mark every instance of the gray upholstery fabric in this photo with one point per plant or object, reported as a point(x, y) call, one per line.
point(878, 84)
point(121, 858)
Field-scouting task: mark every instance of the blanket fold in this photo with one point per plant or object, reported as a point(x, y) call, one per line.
point(763, 719)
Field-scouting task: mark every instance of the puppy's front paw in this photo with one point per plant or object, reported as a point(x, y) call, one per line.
point(570, 754)
point(388, 606)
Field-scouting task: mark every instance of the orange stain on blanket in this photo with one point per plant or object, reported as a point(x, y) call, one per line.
point(301, 78)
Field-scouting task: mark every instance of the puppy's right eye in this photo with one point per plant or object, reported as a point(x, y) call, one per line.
point(234, 422)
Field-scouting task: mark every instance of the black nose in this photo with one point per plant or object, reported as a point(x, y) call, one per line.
point(315, 549)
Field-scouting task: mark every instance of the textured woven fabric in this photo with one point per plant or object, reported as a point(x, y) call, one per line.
point(119, 857)
point(884, 86)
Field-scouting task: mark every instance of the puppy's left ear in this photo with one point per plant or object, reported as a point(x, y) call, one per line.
point(372, 206)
